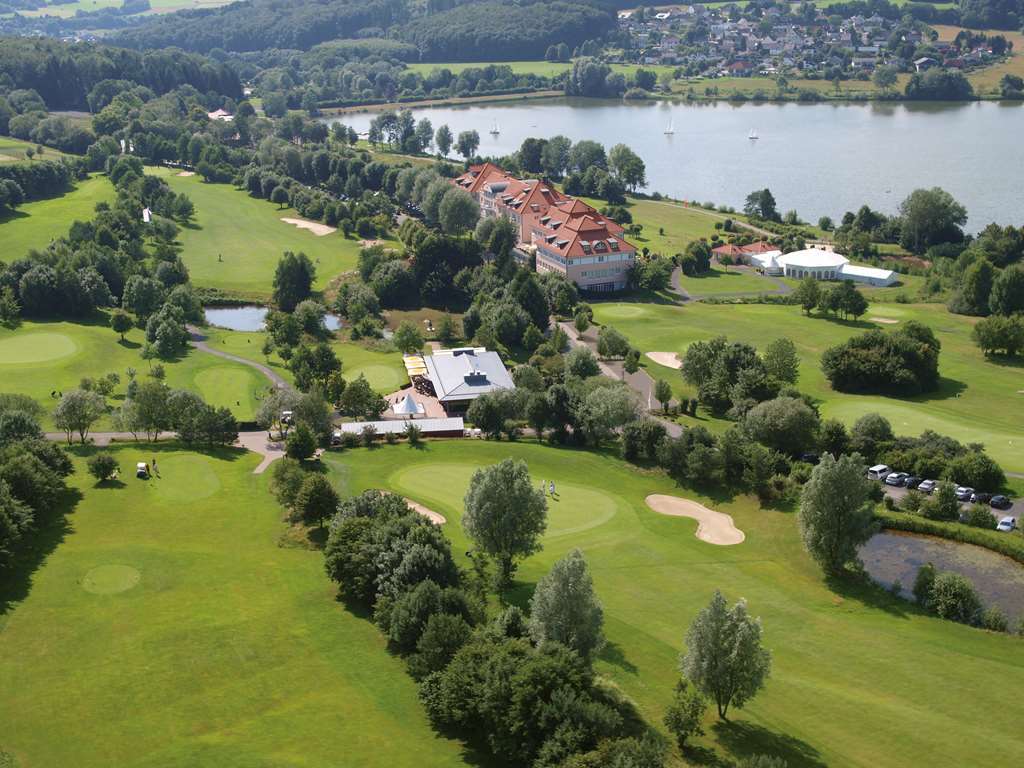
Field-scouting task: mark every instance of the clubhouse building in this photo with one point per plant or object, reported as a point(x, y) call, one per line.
point(565, 234)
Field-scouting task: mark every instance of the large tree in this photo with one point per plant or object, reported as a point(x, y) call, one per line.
point(293, 280)
point(564, 608)
point(929, 217)
point(724, 657)
point(77, 411)
point(316, 499)
point(458, 212)
point(835, 514)
point(505, 514)
point(627, 167)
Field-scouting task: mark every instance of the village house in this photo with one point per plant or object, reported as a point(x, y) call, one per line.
point(564, 234)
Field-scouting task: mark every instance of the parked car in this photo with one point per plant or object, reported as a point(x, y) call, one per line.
point(927, 486)
point(912, 482)
point(980, 498)
point(810, 458)
point(896, 479)
point(879, 472)
point(1007, 524)
point(1001, 502)
point(963, 493)
point(142, 470)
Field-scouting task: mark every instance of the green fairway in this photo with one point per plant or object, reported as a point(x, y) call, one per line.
point(36, 224)
point(978, 400)
point(38, 358)
point(855, 680)
point(248, 236)
point(12, 149)
point(169, 628)
point(383, 370)
point(719, 280)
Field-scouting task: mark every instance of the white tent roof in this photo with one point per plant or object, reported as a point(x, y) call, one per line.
point(870, 272)
point(813, 257)
point(407, 407)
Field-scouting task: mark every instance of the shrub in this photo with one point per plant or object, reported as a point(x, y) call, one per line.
point(980, 516)
point(102, 465)
point(923, 584)
point(995, 620)
point(685, 713)
point(953, 597)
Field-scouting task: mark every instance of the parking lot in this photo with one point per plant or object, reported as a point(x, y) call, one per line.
point(1017, 510)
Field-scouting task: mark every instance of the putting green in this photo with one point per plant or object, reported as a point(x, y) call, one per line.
point(36, 347)
point(230, 385)
point(575, 509)
point(184, 478)
point(110, 579)
point(382, 378)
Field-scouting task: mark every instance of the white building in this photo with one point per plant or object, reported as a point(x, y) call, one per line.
point(821, 265)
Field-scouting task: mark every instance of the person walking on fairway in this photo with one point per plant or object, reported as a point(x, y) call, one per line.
point(155, 470)
point(552, 489)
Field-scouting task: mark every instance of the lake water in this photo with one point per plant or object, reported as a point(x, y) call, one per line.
point(251, 318)
point(819, 159)
point(894, 556)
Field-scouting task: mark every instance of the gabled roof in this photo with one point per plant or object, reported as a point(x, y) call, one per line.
point(464, 374)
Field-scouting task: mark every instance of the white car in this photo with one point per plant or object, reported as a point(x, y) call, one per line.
point(1007, 524)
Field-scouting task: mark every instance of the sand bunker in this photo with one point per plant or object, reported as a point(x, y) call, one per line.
point(883, 320)
point(435, 517)
point(317, 229)
point(187, 173)
point(713, 527)
point(370, 243)
point(668, 359)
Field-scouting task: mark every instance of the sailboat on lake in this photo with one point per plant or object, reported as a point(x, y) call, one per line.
point(670, 128)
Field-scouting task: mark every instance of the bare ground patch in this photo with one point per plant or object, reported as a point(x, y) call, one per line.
point(712, 527)
point(883, 320)
point(315, 227)
point(435, 517)
point(187, 173)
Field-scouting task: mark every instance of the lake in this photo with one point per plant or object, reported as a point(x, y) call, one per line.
point(819, 159)
point(893, 556)
point(251, 318)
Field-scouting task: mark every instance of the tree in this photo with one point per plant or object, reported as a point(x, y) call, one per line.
point(102, 465)
point(884, 78)
point(611, 343)
point(972, 296)
point(407, 338)
point(929, 217)
point(581, 362)
point(443, 140)
point(564, 608)
point(781, 360)
point(77, 411)
point(467, 143)
point(300, 443)
point(458, 212)
point(1007, 296)
point(685, 713)
point(1000, 334)
point(870, 433)
point(293, 280)
point(627, 167)
point(120, 322)
point(953, 597)
point(761, 203)
point(786, 424)
point(835, 514)
point(360, 401)
point(808, 294)
point(663, 393)
point(833, 438)
point(505, 514)
point(316, 498)
point(279, 197)
point(724, 658)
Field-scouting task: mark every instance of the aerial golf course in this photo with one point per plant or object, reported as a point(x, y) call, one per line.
point(222, 646)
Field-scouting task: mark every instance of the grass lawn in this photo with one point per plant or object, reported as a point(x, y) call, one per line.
point(249, 236)
point(12, 149)
point(167, 627)
point(986, 80)
point(667, 227)
point(68, 10)
point(979, 400)
point(719, 280)
point(383, 370)
point(542, 68)
point(40, 357)
point(855, 678)
point(36, 224)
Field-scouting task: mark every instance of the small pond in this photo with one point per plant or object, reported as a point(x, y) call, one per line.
point(896, 556)
point(251, 318)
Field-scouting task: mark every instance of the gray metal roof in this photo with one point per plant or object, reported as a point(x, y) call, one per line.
point(465, 374)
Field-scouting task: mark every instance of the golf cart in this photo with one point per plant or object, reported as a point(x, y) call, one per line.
point(142, 470)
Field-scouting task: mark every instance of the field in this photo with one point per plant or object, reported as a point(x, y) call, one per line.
point(383, 370)
point(964, 407)
point(986, 81)
point(667, 227)
point(849, 668)
point(14, 149)
point(41, 357)
point(223, 649)
point(718, 281)
point(157, 6)
point(249, 237)
point(36, 224)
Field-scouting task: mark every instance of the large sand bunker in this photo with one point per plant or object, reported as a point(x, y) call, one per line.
point(317, 229)
point(713, 527)
point(435, 517)
point(668, 359)
point(186, 174)
point(884, 320)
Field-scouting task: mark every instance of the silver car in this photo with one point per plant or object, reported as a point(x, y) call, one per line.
point(1007, 524)
point(928, 486)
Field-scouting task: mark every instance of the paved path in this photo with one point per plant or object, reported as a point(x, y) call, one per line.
point(640, 382)
point(199, 342)
point(106, 438)
point(260, 442)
